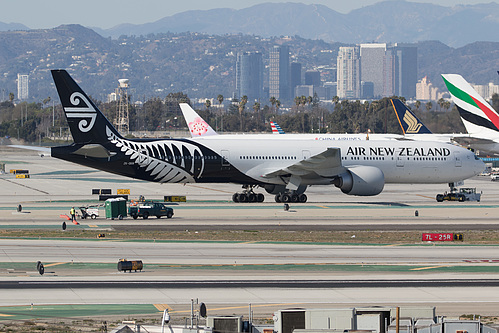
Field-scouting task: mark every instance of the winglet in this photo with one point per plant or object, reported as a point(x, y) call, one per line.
point(197, 125)
point(408, 121)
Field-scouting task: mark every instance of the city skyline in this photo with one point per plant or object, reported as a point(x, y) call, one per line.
point(48, 14)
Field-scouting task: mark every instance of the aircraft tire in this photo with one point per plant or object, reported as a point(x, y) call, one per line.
point(251, 197)
point(242, 197)
point(302, 198)
point(260, 197)
point(440, 198)
point(294, 197)
point(235, 197)
point(278, 198)
point(285, 198)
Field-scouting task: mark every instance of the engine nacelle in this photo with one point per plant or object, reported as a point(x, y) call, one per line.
point(362, 180)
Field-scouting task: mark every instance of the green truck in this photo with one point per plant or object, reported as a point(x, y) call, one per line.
point(146, 209)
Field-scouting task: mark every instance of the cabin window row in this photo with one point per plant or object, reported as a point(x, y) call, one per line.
point(190, 157)
point(267, 157)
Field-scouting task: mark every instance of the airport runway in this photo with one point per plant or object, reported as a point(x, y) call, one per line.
point(456, 278)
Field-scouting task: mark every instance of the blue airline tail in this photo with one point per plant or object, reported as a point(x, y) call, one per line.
point(408, 121)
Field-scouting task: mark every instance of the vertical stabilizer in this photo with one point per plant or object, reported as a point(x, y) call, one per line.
point(408, 121)
point(197, 126)
point(276, 129)
point(86, 122)
point(479, 118)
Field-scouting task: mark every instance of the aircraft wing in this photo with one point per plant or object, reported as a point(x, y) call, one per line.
point(469, 140)
point(326, 164)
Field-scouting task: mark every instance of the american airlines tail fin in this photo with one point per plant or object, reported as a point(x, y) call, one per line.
point(197, 125)
point(408, 121)
point(86, 122)
point(276, 129)
point(479, 118)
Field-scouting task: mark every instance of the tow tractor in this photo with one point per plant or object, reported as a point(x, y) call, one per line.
point(461, 195)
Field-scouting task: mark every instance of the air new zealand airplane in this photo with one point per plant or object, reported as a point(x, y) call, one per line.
point(284, 165)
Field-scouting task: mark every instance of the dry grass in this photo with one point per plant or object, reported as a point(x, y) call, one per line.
point(490, 237)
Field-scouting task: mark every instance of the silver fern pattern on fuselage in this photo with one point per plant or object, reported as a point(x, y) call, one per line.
point(167, 161)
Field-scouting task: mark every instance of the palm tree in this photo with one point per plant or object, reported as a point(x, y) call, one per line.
point(220, 99)
point(11, 97)
point(256, 108)
point(277, 105)
point(242, 106)
point(297, 101)
point(272, 101)
point(428, 106)
point(417, 104)
point(207, 103)
point(440, 103)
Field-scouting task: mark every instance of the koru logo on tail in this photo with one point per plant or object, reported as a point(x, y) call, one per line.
point(87, 112)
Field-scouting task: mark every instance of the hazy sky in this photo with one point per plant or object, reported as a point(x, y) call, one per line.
point(108, 13)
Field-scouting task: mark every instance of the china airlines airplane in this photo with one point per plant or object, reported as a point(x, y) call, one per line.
point(284, 165)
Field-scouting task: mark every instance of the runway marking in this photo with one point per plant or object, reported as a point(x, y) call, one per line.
point(425, 196)
point(5, 315)
point(208, 188)
point(23, 185)
point(323, 206)
point(162, 307)
point(55, 264)
point(92, 226)
point(429, 267)
point(243, 307)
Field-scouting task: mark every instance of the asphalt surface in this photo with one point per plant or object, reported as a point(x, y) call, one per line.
point(458, 278)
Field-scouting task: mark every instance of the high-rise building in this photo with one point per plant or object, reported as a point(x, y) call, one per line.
point(22, 87)
point(313, 78)
point(372, 58)
point(249, 75)
point(295, 76)
point(400, 70)
point(348, 68)
point(279, 73)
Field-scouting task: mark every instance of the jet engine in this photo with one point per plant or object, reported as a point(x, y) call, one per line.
point(361, 180)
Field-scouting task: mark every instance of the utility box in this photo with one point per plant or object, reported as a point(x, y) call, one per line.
point(223, 324)
point(115, 208)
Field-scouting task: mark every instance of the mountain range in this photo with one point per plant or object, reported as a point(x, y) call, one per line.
point(387, 21)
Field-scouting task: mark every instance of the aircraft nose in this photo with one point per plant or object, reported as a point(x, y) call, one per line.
point(479, 166)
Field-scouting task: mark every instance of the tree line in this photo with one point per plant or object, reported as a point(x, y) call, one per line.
point(40, 122)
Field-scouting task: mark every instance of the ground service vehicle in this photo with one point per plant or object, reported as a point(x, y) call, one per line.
point(464, 194)
point(146, 209)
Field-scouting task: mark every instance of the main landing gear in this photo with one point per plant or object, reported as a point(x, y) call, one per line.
point(248, 195)
point(290, 197)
